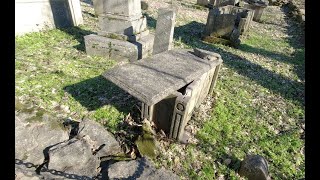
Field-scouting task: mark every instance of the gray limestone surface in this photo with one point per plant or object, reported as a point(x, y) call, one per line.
point(220, 22)
point(152, 79)
point(112, 48)
point(164, 31)
point(100, 140)
point(138, 169)
point(31, 138)
point(74, 157)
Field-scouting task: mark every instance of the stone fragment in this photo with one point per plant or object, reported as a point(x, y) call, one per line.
point(254, 167)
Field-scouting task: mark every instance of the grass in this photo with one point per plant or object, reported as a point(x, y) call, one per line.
point(258, 105)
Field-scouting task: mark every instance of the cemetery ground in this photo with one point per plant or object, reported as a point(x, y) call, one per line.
point(257, 107)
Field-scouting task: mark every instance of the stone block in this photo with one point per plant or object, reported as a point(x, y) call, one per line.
point(130, 8)
point(121, 25)
point(203, 2)
point(220, 3)
point(112, 48)
point(98, 6)
point(163, 40)
point(145, 46)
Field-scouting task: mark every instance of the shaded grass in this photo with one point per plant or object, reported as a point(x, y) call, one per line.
point(51, 72)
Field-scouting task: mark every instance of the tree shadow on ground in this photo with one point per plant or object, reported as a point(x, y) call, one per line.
point(296, 38)
point(54, 172)
point(78, 34)
point(96, 92)
point(191, 33)
point(105, 165)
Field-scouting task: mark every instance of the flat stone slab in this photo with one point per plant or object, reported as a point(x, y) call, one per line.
point(152, 79)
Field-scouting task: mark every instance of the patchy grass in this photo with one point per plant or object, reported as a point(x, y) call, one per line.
point(257, 107)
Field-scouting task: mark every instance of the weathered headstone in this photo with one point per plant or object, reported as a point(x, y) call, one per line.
point(163, 40)
point(33, 15)
point(254, 167)
point(257, 6)
point(227, 22)
point(169, 85)
point(121, 22)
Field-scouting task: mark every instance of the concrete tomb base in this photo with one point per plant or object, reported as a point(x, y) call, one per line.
point(169, 85)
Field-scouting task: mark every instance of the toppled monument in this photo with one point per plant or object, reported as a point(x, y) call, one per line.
point(123, 31)
point(227, 22)
point(169, 85)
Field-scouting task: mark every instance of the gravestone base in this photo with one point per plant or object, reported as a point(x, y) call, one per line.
point(122, 25)
point(145, 46)
point(120, 50)
point(113, 48)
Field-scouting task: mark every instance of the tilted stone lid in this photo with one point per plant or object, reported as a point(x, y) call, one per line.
point(154, 78)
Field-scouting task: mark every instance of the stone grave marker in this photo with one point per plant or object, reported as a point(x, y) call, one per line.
point(122, 25)
point(163, 40)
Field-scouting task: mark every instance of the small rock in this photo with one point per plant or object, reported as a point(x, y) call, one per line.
point(254, 167)
point(227, 161)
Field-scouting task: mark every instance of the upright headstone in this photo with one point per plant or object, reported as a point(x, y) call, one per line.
point(33, 15)
point(227, 22)
point(163, 40)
